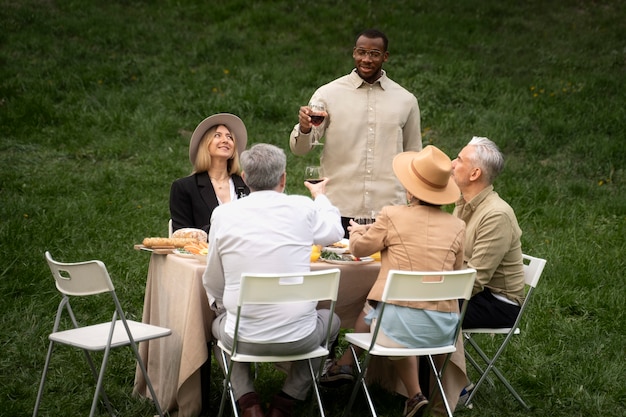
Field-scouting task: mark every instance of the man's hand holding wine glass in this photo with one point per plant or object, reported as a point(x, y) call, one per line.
point(311, 116)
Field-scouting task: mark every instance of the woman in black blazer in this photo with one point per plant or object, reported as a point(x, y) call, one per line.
point(214, 153)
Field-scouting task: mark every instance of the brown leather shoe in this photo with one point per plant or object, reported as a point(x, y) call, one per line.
point(281, 407)
point(250, 405)
point(254, 411)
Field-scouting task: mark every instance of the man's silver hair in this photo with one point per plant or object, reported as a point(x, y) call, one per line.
point(263, 165)
point(488, 157)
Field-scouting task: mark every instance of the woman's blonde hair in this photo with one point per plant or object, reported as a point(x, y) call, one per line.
point(203, 158)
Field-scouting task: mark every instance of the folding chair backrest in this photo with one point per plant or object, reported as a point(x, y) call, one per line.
point(533, 267)
point(433, 286)
point(81, 278)
point(289, 287)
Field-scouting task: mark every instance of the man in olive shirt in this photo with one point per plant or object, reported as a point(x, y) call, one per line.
point(492, 237)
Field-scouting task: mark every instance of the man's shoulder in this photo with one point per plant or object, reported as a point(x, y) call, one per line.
point(344, 80)
point(495, 206)
point(389, 84)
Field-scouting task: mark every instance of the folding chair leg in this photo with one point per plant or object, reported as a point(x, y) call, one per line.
point(438, 375)
point(360, 381)
point(490, 367)
point(144, 372)
point(502, 379)
point(478, 368)
point(316, 389)
point(43, 379)
point(96, 396)
point(227, 388)
point(45, 374)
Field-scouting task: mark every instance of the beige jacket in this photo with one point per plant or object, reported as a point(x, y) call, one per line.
point(413, 238)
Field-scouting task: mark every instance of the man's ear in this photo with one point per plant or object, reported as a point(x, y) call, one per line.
point(476, 174)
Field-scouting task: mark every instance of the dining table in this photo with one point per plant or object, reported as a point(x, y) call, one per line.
point(175, 298)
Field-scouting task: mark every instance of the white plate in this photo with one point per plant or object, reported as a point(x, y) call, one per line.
point(184, 254)
point(338, 251)
point(365, 260)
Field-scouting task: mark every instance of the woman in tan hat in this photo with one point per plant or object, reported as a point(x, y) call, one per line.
point(214, 151)
point(419, 236)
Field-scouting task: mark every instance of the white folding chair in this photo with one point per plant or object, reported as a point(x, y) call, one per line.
point(86, 279)
point(281, 289)
point(412, 286)
point(533, 267)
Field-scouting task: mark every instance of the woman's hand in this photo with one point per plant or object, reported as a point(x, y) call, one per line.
point(354, 227)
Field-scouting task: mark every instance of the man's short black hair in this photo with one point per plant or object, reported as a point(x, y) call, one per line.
point(373, 34)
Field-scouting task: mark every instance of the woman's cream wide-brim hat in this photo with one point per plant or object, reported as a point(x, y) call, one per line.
point(232, 122)
point(426, 175)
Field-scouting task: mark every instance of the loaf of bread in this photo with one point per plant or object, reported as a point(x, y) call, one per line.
point(198, 234)
point(167, 242)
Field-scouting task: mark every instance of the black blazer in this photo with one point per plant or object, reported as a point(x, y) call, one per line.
point(192, 200)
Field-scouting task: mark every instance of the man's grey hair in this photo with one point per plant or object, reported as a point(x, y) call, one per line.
point(488, 157)
point(263, 165)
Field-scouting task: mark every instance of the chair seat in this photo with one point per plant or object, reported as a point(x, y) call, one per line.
point(364, 340)
point(94, 338)
point(242, 357)
point(504, 330)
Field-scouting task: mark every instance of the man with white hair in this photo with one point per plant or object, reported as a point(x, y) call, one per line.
point(269, 231)
point(492, 237)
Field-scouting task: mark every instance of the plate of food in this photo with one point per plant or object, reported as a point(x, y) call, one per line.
point(338, 247)
point(344, 259)
point(184, 253)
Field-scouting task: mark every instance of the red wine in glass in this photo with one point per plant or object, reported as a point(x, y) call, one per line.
point(313, 174)
point(316, 119)
point(318, 112)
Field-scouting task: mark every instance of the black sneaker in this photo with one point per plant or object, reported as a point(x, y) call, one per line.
point(414, 405)
point(337, 375)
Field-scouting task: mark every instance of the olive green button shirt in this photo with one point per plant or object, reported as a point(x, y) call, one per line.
point(492, 244)
point(368, 124)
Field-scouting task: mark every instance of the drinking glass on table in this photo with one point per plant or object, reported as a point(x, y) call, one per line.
point(318, 114)
point(368, 218)
point(313, 174)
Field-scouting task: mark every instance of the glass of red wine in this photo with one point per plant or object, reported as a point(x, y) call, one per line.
point(313, 174)
point(318, 114)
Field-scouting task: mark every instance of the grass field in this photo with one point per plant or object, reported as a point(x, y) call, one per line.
point(98, 100)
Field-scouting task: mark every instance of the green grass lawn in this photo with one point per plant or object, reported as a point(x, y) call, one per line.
point(98, 100)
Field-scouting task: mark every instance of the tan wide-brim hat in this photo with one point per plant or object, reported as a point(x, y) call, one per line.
point(426, 175)
point(232, 122)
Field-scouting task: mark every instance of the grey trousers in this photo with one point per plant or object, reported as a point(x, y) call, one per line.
point(298, 379)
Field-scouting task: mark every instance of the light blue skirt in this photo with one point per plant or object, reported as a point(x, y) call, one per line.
point(414, 327)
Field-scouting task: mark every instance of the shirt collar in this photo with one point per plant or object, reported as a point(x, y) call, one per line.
point(357, 81)
point(479, 198)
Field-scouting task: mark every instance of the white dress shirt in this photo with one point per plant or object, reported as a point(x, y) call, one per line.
point(266, 232)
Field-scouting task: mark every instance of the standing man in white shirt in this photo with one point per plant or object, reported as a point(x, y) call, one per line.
point(269, 231)
point(370, 119)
